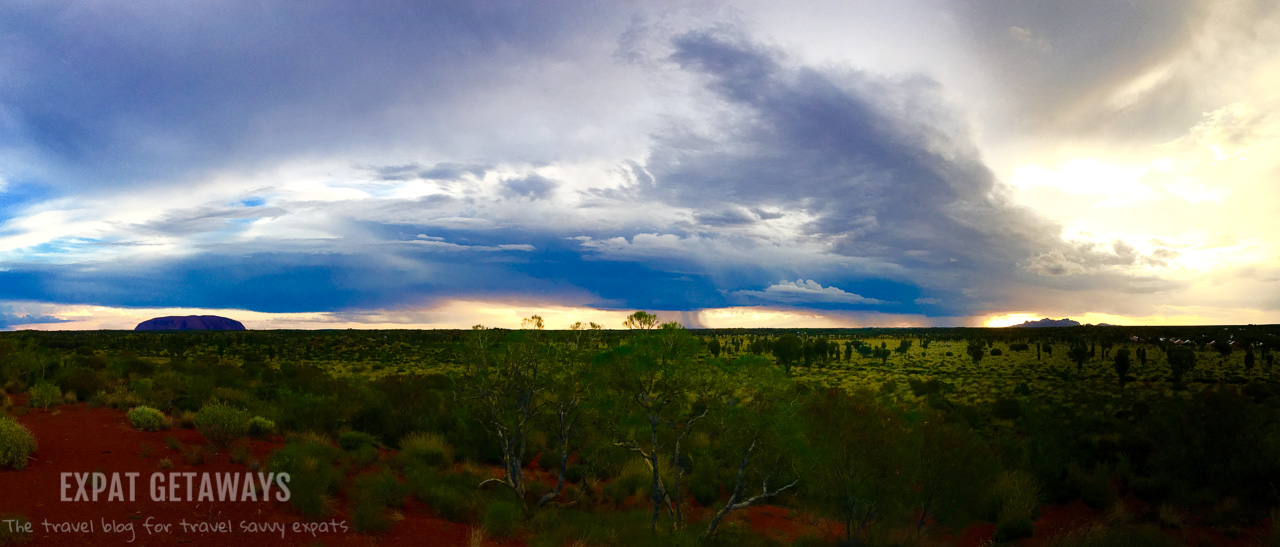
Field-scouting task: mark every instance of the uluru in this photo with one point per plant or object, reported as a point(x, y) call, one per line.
point(190, 322)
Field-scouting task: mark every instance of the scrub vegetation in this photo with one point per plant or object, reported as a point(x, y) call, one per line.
point(661, 435)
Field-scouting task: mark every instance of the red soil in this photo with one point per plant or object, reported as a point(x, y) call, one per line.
point(81, 439)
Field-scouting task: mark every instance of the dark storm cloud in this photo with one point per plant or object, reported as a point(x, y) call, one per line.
point(882, 165)
point(899, 213)
point(872, 159)
point(124, 94)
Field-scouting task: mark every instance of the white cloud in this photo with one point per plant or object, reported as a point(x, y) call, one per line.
point(804, 291)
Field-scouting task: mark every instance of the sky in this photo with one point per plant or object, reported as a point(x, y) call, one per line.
point(422, 164)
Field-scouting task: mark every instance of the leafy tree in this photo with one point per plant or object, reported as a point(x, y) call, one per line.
point(656, 383)
point(976, 350)
point(504, 384)
point(761, 424)
point(1122, 364)
point(857, 459)
point(883, 355)
point(1079, 353)
point(713, 346)
point(641, 320)
point(1249, 358)
point(788, 349)
point(1181, 361)
point(903, 347)
point(1223, 347)
point(562, 410)
point(950, 467)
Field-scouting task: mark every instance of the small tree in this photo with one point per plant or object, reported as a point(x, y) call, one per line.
point(761, 422)
point(788, 349)
point(1122, 364)
point(1181, 361)
point(858, 465)
point(503, 383)
point(976, 350)
point(883, 355)
point(641, 320)
point(713, 347)
point(1079, 353)
point(1249, 359)
point(903, 347)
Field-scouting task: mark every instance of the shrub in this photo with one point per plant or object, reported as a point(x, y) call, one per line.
point(636, 479)
point(45, 395)
point(1016, 499)
point(145, 418)
point(426, 448)
point(355, 440)
point(84, 383)
point(453, 496)
point(313, 478)
point(575, 473)
point(195, 455)
point(222, 423)
point(502, 519)
point(370, 494)
point(16, 443)
point(260, 427)
point(240, 452)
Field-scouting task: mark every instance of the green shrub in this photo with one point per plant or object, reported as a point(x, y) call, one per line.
point(370, 494)
point(84, 383)
point(145, 418)
point(426, 448)
point(575, 473)
point(355, 440)
point(312, 475)
point(1016, 499)
point(195, 455)
point(221, 423)
point(1094, 488)
point(636, 479)
point(260, 428)
point(453, 496)
point(502, 519)
point(16, 443)
point(45, 395)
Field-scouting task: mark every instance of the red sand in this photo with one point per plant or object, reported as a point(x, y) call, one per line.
point(82, 439)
